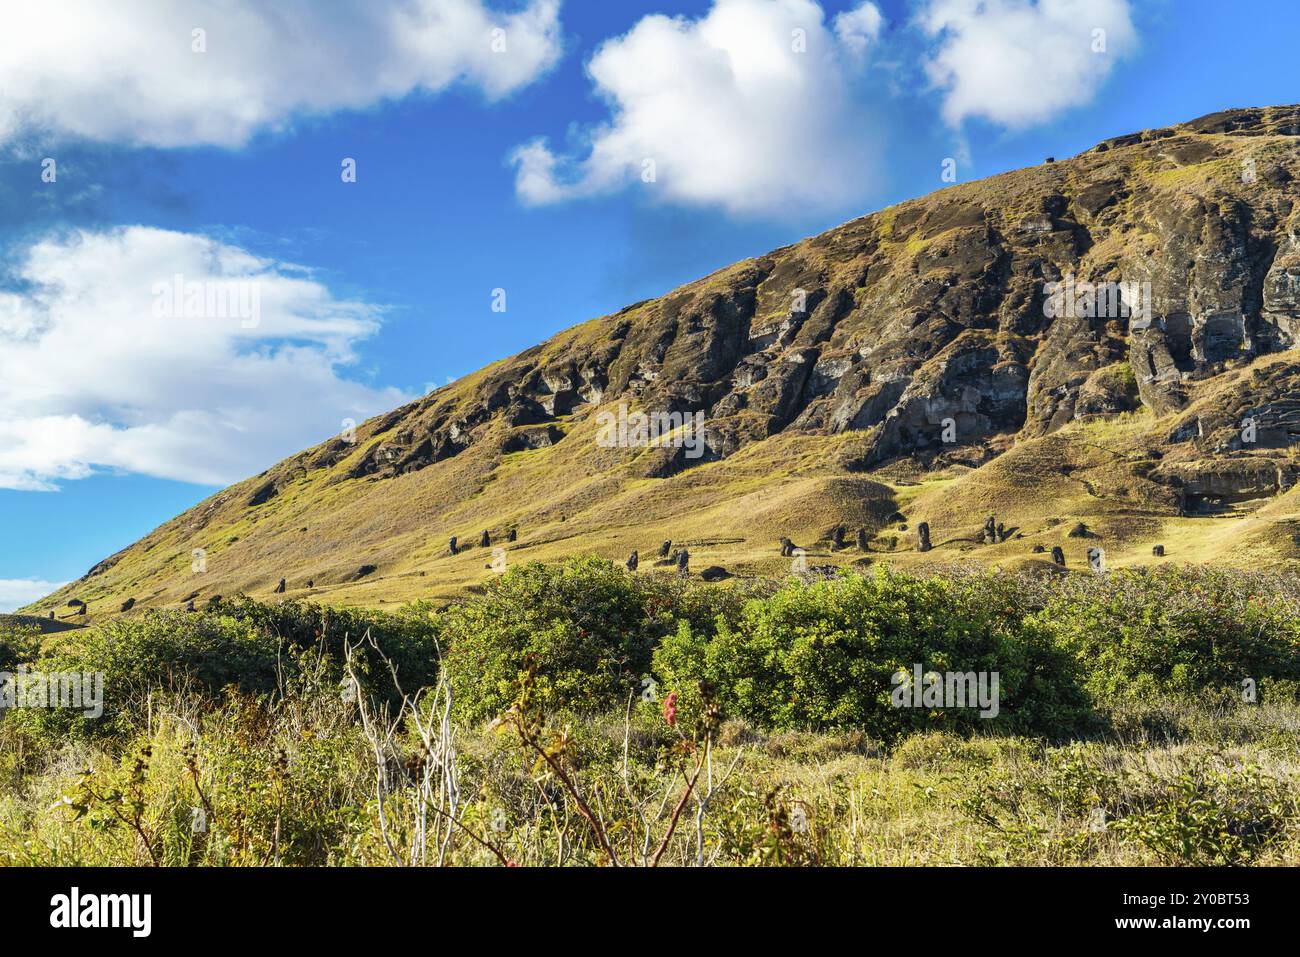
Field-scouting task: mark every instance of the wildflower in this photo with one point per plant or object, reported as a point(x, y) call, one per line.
point(670, 709)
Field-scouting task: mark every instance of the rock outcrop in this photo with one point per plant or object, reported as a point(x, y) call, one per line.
point(928, 325)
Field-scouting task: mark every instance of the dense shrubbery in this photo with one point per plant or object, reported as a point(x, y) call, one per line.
point(800, 656)
point(1179, 630)
point(157, 652)
point(238, 643)
point(407, 638)
point(822, 657)
point(583, 628)
point(18, 644)
point(587, 629)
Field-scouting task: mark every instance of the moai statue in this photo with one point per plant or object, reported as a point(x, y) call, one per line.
point(310, 583)
point(451, 546)
point(632, 562)
point(990, 531)
point(51, 614)
point(1038, 549)
point(1158, 551)
point(1002, 532)
point(485, 540)
point(787, 548)
point(837, 537)
point(189, 605)
point(1058, 555)
point(923, 537)
point(128, 604)
point(279, 589)
point(1096, 560)
point(683, 563)
point(512, 534)
point(664, 548)
point(81, 609)
point(862, 540)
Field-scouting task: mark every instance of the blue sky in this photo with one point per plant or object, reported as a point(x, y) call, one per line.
point(516, 169)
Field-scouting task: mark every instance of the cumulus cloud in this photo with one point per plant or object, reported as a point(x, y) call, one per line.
point(859, 28)
point(128, 71)
point(749, 108)
point(169, 354)
point(1020, 62)
point(17, 592)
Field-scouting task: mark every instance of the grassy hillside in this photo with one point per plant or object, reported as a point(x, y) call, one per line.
point(729, 513)
point(828, 414)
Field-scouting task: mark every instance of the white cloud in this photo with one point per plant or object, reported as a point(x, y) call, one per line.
point(126, 71)
point(17, 592)
point(728, 107)
point(1020, 62)
point(859, 28)
point(96, 373)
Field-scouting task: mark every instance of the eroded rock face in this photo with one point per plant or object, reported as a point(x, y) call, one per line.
point(924, 325)
point(1219, 482)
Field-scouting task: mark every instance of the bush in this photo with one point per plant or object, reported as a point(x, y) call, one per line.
point(161, 651)
point(582, 627)
point(237, 643)
point(18, 644)
point(1178, 630)
point(407, 638)
point(1209, 816)
point(823, 657)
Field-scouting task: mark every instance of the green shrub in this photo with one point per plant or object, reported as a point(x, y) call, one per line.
point(583, 627)
point(670, 601)
point(160, 651)
point(1177, 630)
point(237, 643)
point(18, 644)
point(1208, 816)
point(406, 638)
point(823, 657)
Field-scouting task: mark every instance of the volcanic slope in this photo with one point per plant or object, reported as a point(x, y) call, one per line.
point(831, 375)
